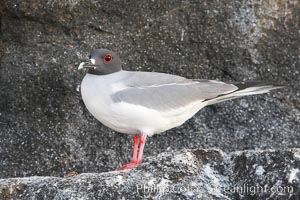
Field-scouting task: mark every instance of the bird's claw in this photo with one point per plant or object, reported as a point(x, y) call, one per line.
point(128, 166)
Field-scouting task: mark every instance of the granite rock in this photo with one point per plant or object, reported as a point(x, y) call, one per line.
point(187, 174)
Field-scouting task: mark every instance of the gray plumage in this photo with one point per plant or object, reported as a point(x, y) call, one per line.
point(166, 92)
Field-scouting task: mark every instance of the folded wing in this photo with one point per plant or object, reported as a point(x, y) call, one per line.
point(167, 92)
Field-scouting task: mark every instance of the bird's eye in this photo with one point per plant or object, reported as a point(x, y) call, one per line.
point(107, 58)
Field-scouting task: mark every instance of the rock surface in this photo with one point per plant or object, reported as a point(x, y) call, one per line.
point(45, 129)
point(188, 174)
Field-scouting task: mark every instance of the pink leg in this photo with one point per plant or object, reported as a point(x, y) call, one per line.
point(136, 141)
point(142, 145)
point(134, 161)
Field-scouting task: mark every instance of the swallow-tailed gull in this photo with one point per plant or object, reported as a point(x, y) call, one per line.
point(147, 103)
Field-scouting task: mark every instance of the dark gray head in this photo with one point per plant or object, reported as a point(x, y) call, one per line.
point(102, 62)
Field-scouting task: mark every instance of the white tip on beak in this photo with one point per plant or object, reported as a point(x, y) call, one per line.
point(81, 66)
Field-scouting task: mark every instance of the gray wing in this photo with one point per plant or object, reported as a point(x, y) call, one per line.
point(143, 79)
point(166, 92)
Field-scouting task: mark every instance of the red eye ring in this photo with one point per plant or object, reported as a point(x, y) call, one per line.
point(107, 58)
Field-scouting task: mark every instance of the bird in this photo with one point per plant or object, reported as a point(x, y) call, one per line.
point(142, 104)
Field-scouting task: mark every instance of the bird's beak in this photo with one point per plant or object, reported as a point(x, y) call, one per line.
point(89, 64)
point(81, 66)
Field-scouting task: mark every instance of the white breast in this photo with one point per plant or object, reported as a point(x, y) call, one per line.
point(122, 117)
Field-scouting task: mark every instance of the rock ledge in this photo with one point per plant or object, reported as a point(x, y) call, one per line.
point(186, 174)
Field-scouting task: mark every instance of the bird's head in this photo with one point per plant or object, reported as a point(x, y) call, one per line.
point(102, 62)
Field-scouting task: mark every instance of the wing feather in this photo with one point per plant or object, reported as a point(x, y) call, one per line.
point(166, 92)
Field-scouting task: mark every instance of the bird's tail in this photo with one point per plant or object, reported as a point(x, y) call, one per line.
point(244, 89)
